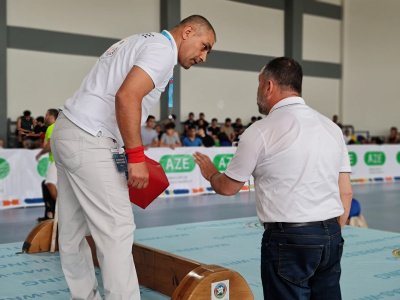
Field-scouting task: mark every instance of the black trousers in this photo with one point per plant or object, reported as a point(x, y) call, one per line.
point(49, 203)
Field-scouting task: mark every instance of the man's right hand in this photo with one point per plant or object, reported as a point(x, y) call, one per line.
point(138, 175)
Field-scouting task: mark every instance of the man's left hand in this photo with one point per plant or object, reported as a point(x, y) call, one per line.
point(205, 164)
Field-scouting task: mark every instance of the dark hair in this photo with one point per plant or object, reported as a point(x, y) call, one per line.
point(228, 120)
point(286, 72)
point(40, 119)
point(53, 112)
point(27, 113)
point(214, 119)
point(200, 20)
point(150, 117)
point(169, 126)
point(192, 127)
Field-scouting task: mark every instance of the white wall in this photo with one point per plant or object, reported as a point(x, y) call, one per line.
point(116, 19)
point(219, 93)
point(322, 42)
point(241, 27)
point(371, 67)
point(367, 96)
point(321, 39)
point(40, 80)
point(322, 94)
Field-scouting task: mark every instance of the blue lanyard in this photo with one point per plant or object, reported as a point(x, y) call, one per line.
point(170, 83)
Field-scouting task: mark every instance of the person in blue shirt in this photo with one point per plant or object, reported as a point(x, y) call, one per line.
point(192, 140)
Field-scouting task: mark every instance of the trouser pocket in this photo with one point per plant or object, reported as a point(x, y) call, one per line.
point(298, 262)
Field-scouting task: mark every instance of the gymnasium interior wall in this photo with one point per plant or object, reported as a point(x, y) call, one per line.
point(362, 42)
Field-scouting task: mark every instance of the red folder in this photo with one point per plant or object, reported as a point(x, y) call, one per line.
point(158, 183)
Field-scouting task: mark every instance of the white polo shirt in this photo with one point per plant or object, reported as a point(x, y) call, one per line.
point(92, 107)
point(295, 155)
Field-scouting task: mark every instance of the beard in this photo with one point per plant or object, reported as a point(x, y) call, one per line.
point(262, 106)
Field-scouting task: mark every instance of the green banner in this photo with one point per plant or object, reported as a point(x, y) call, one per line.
point(177, 163)
point(221, 161)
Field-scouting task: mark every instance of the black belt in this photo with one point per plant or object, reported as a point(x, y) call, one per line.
point(280, 225)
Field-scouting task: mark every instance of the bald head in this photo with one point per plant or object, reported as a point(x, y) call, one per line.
point(194, 37)
point(198, 22)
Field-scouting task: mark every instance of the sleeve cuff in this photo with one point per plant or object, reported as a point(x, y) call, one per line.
point(236, 177)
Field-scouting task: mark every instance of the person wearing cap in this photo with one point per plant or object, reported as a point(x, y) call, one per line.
point(103, 115)
point(301, 169)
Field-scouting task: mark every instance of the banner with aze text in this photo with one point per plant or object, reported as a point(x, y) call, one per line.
point(21, 175)
point(374, 163)
point(184, 175)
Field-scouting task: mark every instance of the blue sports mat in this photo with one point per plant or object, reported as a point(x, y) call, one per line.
point(369, 269)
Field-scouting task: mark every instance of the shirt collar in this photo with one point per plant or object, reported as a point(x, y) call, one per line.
point(173, 43)
point(287, 101)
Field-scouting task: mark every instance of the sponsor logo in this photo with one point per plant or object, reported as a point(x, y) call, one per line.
point(179, 163)
point(374, 158)
point(398, 157)
point(221, 161)
point(353, 158)
point(220, 290)
point(114, 48)
point(4, 168)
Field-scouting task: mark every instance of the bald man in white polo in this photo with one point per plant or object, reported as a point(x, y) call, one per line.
point(105, 114)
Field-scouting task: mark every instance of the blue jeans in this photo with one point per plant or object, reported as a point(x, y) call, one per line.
point(302, 262)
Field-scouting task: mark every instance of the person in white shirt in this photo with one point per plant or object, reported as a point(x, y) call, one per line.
point(106, 113)
point(301, 168)
point(149, 134)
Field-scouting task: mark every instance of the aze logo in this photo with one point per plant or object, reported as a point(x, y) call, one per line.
point(221, 161)
point(177, 163)
point(374, 158)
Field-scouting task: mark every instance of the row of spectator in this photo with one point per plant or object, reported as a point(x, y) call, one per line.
point(352, 137)
point(195, 132)
point(30, 131)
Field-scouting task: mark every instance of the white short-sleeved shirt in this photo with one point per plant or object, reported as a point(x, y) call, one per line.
point(295, 155)
point(92, 107)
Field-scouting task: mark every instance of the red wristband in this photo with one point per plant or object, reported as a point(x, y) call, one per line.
point(135, 155)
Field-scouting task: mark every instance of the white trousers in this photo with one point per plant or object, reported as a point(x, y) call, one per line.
point(51, 176)
point(93, 199)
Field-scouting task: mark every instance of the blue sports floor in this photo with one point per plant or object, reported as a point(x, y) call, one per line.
point(217, 230)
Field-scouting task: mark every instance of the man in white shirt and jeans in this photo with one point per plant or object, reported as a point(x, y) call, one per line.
point(105, 114)
point(301, 168)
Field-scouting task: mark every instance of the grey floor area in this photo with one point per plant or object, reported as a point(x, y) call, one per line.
point(380, 204)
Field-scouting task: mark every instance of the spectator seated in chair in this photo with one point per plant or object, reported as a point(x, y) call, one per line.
point(191, 140)
point(170, 138)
